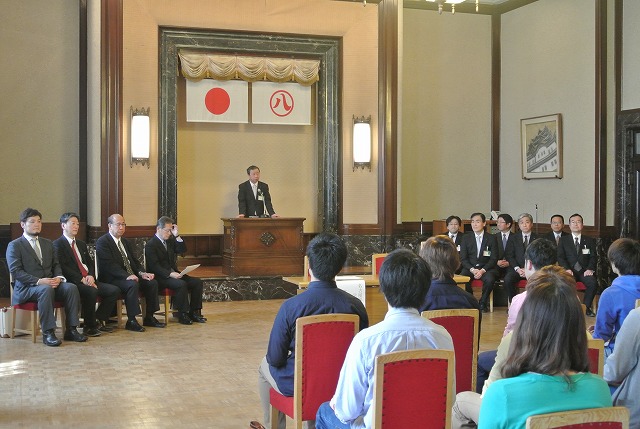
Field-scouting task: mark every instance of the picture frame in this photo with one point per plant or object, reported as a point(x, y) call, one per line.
point(542, 147)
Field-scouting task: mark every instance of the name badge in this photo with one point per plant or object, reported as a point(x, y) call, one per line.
point(486, 253)
point(260, 198)
point(586, 251)
point(458, 247)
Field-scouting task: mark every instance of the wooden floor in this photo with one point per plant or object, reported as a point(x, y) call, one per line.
point(200, 376)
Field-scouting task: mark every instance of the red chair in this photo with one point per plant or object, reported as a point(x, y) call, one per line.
point(475, 283)
point(376, 262)
point(595, 350)
point(601, 418)
point(522, 284)
point(463, 326)
point(321, 345)
point(400, 399)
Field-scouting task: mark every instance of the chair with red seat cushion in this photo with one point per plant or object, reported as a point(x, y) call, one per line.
point(400, 399)
point(595, 350)
point(463, 326)
point(376, 262)
point(321, 345)
point(600, 418)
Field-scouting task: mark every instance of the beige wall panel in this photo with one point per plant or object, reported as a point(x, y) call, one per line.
point(631, 55)
point(446, 115)
point(286, 155)
point(39, 108)
point(548, 57)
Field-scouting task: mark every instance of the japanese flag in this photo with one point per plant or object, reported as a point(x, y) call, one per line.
point(218, 101)
point(280, 103)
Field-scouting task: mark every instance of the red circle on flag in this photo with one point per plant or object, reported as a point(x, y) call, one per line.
point(217, 101)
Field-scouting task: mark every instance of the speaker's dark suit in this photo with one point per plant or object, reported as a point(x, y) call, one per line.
point(26, 269)
point(579, 262)
point(552, 238)
point(486, 260)
point(108, 293)
point(162, 262)
point(111, 269)
point(515, 256)
point(250, 205)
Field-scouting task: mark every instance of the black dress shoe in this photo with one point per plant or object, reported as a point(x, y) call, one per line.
point(133, 325)
point(103, 327)
point(72, 334)
point(49, 338)
point(152, 322)
point(590, 312)
point(196, 317)
point(184, 319)
point(91, 332)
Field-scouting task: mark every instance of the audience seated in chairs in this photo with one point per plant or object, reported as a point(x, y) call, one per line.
point(546, 369)
point(404, 281)
point(443, 260)
point(618, 299)
point(622, 367)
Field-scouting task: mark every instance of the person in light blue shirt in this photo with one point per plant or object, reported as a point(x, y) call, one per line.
point(546, 370)
point(404, 281)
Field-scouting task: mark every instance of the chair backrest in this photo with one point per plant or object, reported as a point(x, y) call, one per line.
point(376, 262)
point(606, 418)
point(305, 268)
point(462, 325)
point(413, 389)
point(595, 350)
point(321, 345)
point(637, 303)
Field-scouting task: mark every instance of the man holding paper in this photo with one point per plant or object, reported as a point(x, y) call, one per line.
point(161, 254)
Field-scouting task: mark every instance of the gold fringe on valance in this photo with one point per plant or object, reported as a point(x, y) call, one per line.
point(196, 66)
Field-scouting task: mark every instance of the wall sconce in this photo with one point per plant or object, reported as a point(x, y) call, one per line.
point(139, 137)
point(361, 142)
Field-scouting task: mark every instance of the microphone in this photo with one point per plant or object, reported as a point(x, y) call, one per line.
point(264, 206)
point(537, 226)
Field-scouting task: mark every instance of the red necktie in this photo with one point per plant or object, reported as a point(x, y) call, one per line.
point(83, 270)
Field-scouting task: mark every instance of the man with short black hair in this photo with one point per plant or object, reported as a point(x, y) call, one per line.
point(78, 267)
point(557, 225)
point(327, 254)
point(37, 276)
point(254, 197)
point(453, 230)
point(404, 280)
point(515, 256)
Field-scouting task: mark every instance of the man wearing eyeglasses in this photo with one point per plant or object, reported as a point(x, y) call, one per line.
point(161, 253)
point(118, 265)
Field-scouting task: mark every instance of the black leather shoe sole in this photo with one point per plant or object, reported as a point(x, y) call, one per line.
point(76, 336)
point(91, 332)
point(153, 323)
point(135, 327)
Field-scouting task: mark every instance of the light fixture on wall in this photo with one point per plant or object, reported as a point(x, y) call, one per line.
point(140, 136)
point(453, 4)
point(361, 142)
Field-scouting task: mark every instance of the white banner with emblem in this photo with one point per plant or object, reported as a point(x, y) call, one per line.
point(280, 103)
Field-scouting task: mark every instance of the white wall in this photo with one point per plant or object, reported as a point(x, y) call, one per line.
point(548, 66)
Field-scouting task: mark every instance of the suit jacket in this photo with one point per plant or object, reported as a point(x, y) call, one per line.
point(458, 239)
point(469, 250)
point(516, 253)
point(249, 205)
point(110, 262)
point(70, 269)
point(503, 252)
point(567, 255)
point(161, 261)
point(26, 268)
point(551, 236)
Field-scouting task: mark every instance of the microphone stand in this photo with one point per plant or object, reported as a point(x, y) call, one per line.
point(264, 205)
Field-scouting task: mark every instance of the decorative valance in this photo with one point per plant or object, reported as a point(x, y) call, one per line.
point(196, 66)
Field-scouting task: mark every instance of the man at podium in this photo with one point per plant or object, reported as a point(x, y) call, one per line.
point(253, 196)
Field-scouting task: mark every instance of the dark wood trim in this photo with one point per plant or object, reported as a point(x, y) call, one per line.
point(361, 229)
point(600, 132)
point(111, 106)
point(388, 12)
point(496, 78)
point(140, 231)
point(82, 112)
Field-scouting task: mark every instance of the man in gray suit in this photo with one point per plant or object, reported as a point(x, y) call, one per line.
point(38, 277)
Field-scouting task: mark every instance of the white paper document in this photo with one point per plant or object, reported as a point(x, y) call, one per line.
point(353, 285)
point(189, 269)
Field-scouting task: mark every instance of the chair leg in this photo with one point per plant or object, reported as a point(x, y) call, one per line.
point(13, 327)
point(274, 416)
point(119, 313)
point(35, 320)
point(167, 309)
point(491, 302)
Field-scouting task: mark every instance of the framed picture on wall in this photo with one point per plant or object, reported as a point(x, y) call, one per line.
point(542, 147)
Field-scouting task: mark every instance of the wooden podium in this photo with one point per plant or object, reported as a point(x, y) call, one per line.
point(263, 247)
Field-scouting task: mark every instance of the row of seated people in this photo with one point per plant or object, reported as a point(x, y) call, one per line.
point(490, 257)
point(410, 284)
point(63, 271)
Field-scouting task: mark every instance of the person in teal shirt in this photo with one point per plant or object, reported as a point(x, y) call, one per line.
point(546, 370)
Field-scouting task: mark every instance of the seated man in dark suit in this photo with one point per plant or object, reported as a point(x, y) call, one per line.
point(557, 223)
point(118, 265)
point(453, 227)
point(77, 266)
point(161, 253)
point(479, 255)
point(254, 197)
point(327, 254)
point(504, 238)
point(577, 254)
point(38, 277)
point(515, 256)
